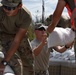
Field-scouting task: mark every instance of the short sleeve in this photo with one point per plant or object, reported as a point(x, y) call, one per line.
point(25, 18)
point(26, 21)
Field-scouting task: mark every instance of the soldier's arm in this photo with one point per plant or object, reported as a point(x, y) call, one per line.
point(15, 44)
point(36, 50)
point(62, 49)
point(56, 15)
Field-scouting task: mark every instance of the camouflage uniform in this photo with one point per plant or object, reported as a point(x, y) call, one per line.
point(27, 57)
point(22, 60)
point(22, 56)
point(15, 60)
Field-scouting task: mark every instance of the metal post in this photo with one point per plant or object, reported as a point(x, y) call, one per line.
point(43, 11)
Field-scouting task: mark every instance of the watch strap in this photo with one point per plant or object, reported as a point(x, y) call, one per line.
point(4, 62)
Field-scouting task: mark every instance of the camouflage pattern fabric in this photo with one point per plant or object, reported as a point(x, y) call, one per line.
point(26, 55)
point(22, 60)
point(28, 70)
point(14, 61)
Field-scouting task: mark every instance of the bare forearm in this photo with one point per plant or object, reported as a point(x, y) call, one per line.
point(56, 15)
point(15, 44)
point(11, 51)
point(60, 49)
point(38, 49)
point(55, 20)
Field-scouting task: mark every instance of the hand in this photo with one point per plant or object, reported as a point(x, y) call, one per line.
point(2, 67)
point(44, 39)
point(69, 45)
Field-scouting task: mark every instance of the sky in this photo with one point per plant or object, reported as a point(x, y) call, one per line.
point(35, 7)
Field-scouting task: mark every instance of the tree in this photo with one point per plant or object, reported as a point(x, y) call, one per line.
point(62, 23)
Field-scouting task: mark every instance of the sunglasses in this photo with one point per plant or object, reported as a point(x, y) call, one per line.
point(41, 29)
point(9, 8)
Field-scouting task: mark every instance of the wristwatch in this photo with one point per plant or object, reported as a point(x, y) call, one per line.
point(4, 62)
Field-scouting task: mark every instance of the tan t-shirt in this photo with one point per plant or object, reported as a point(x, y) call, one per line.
point(42, 60)
point(12, 24)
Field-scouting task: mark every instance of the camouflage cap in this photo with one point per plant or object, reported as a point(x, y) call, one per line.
point(40, 26)
point(11, 3)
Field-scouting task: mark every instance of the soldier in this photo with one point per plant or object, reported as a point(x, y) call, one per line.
point(41, 51)
point(14, 22)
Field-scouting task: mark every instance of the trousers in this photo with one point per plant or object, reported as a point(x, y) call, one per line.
point(46, 72)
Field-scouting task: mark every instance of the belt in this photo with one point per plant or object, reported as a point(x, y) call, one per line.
point(40, 72)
